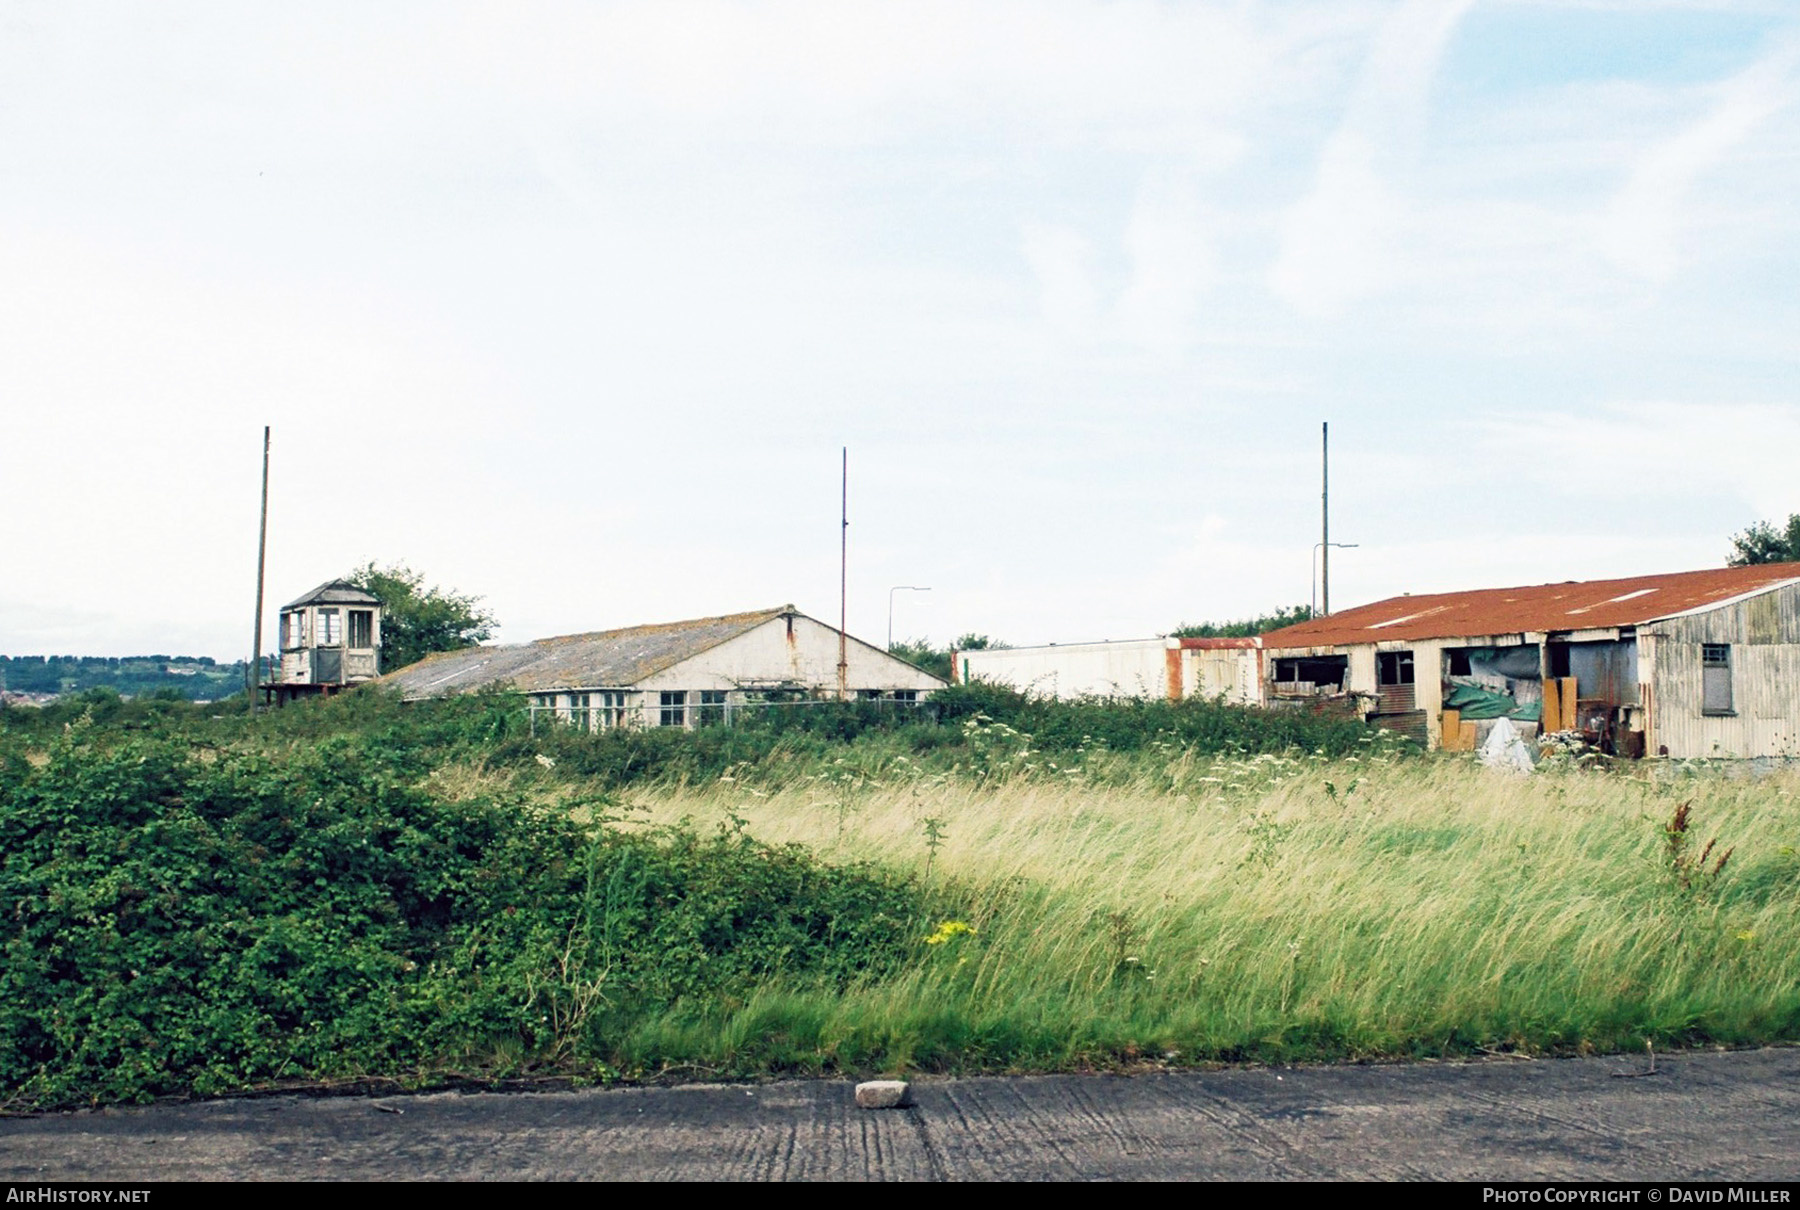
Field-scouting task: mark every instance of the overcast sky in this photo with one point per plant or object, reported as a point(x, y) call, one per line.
point(572, 306)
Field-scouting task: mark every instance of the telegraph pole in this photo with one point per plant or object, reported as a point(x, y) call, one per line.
point(844, 586)
point(1325, 518)
point(253, 676)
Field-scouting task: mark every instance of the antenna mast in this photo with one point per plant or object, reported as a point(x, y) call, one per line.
point(844, 586)
point(253, 675)
point(1325, 519)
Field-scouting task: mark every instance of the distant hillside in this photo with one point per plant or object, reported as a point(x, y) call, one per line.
point(196, 678)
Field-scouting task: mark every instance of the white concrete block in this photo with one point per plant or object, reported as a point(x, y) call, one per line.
point(882, 1094)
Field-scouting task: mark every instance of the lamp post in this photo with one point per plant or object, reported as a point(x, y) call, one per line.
point(1318, 546)
point(898, 588)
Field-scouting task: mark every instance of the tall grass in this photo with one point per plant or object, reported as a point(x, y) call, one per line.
point(1282, 909)
point(1054, 886)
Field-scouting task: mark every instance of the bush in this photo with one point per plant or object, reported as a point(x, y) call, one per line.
point(1130, 724)
point(186, 925)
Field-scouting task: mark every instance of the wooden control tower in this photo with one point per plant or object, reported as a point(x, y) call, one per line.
point(330, 640)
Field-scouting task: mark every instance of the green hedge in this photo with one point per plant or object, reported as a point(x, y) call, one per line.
point(181, 923)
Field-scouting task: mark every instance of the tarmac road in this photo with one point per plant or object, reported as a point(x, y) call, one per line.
point(1702, 1116)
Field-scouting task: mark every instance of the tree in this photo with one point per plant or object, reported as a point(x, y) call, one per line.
point(1290, 616)
point(922, 653)
point(1763, 543)
point(416, 620)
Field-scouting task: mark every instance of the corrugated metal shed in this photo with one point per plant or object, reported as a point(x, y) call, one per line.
point(604, 659)
point(1762, 652)
point(1575, 605)
point(333, 592)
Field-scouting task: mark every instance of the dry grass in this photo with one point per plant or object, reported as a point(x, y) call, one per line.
point(1286, 907)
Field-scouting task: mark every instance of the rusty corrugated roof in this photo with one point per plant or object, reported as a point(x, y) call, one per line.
point(603, 659)
point(1574, 605)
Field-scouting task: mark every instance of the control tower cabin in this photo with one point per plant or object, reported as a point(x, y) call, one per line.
point(330, 640)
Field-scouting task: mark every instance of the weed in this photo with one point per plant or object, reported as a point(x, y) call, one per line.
point(1691, 872)
point(1266, 835)
point(934, 840)
point(1124, 939)
point(949, 931)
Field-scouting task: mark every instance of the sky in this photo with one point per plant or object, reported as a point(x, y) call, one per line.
point(574, 306)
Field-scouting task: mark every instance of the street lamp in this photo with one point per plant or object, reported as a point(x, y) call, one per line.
point(898, 588)
point(1317, 546)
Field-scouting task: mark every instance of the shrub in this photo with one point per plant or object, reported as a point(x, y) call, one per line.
point(180, 925)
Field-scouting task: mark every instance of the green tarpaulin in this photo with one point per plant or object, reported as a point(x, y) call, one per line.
point(1475, 704)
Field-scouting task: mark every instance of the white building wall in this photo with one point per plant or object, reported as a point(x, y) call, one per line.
point(794, 654)
point(1130, 668)
point(1228, 673)
point(791, 652)
point(1428, 686)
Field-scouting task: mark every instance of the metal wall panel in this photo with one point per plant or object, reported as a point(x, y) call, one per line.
point(1605, 672)
point(1764, 634)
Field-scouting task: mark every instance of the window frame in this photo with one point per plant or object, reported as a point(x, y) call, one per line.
point(330, 628)
point(673, 708)
point(1716, 658)
point(1296, 665)
point(363, 620)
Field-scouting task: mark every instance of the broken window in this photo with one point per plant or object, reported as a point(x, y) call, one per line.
point(1494, 682)
point(362, 628)
point(1715, 678)
point(331, 628)
point(612, 709)
point(674, 708)
point(1560, 662)
point(294, 629)
point(1394, 668)
point(1311, 674)
point(712, 708)
point(580, 710)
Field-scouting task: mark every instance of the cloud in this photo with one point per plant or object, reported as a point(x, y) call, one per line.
point(1339, 242)
point(139, 383)
point(1640, 230)
point(1172, 263)
point(563, 303)
point(1062, 262)
point(1167, 262)
point(833, 72)
point(1636, 452)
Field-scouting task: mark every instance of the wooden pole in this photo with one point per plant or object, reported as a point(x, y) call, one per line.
point(844, 587)
point(1325, 519)
point(253, 677)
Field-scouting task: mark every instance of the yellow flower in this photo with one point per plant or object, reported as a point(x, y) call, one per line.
point(949, 930)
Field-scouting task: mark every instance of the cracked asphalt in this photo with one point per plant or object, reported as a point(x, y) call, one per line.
point(1702, 1116)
